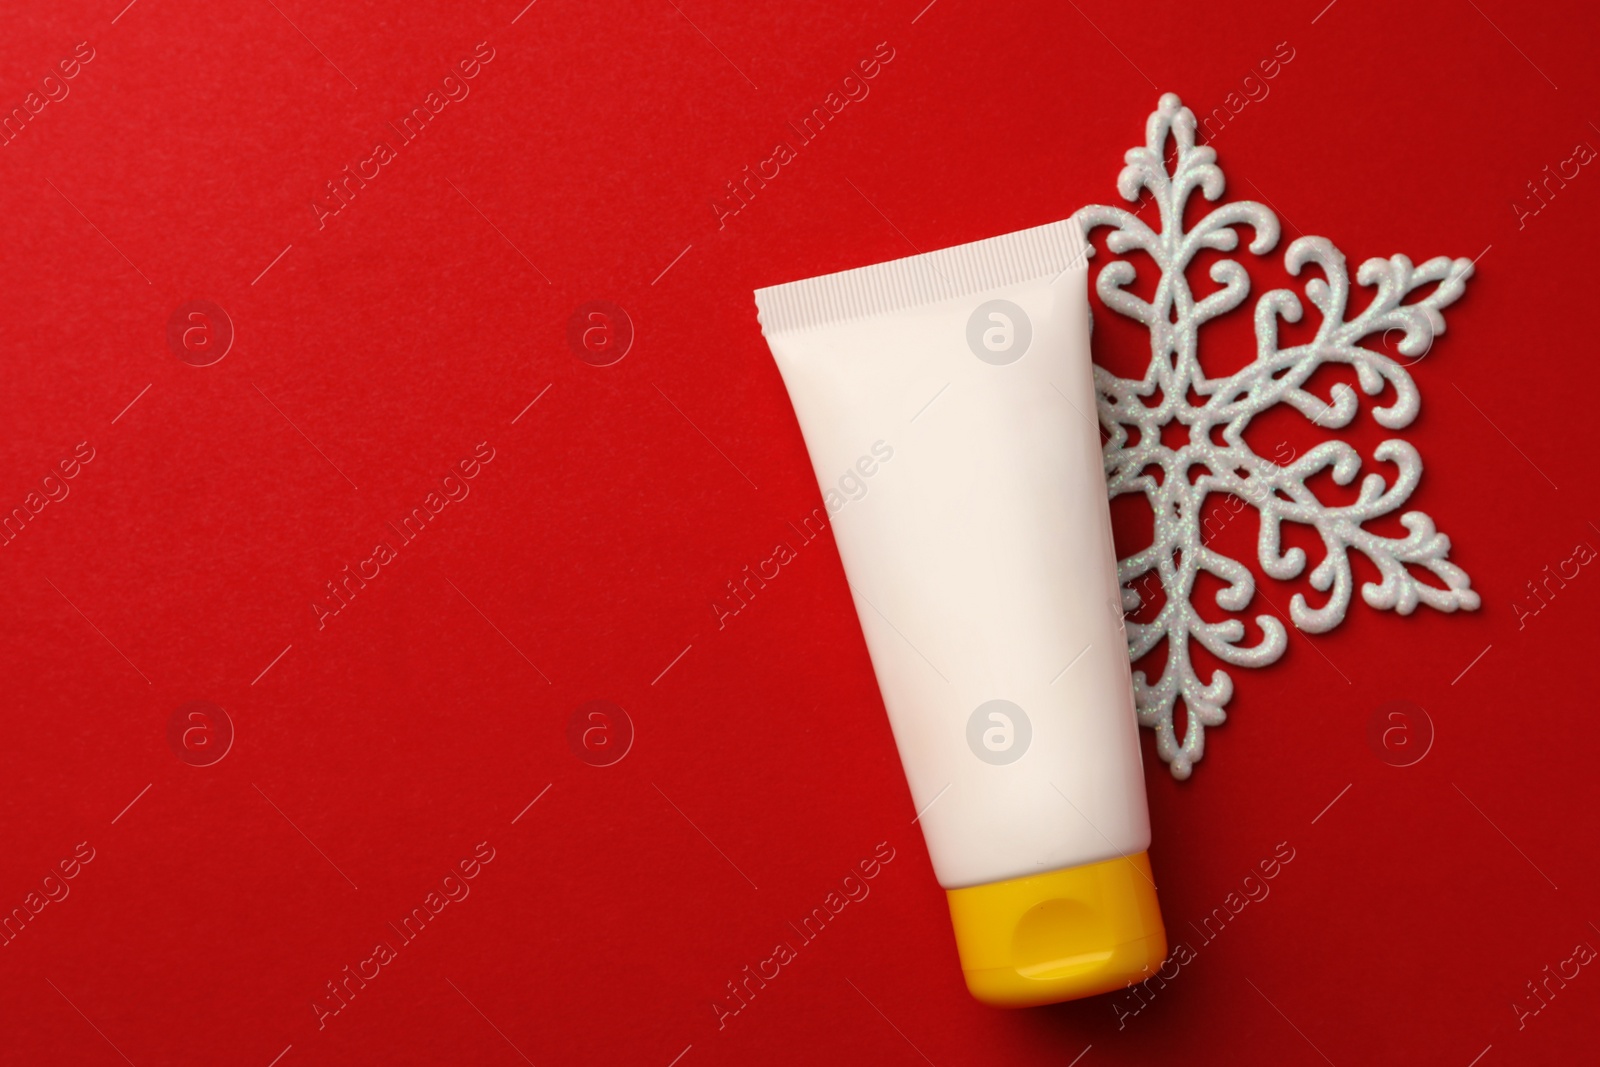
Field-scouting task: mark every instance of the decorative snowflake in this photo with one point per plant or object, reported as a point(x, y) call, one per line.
point(1219, 409)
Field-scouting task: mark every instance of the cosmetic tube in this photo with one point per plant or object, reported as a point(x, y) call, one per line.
point(981, 564)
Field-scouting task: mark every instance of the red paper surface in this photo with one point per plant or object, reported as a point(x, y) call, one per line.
point(374, 350)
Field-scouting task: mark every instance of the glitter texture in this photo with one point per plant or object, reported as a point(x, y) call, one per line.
point(1217, 410)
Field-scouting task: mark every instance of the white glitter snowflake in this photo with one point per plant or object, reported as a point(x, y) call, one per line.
point(1175, 387)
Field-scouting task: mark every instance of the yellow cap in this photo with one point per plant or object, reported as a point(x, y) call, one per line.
point(1060, 935)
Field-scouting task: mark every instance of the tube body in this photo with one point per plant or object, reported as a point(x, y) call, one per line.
point(980, 557)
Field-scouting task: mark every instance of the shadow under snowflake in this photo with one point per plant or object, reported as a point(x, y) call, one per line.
point(1215, 411)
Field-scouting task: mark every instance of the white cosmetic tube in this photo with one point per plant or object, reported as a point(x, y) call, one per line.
point(981, 564)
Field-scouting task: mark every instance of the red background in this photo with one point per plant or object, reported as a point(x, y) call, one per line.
point(415, 724)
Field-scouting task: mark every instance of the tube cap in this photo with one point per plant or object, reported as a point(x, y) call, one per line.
point(1060, 935)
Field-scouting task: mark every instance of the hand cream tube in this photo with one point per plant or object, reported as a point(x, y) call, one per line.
point(982, 568)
